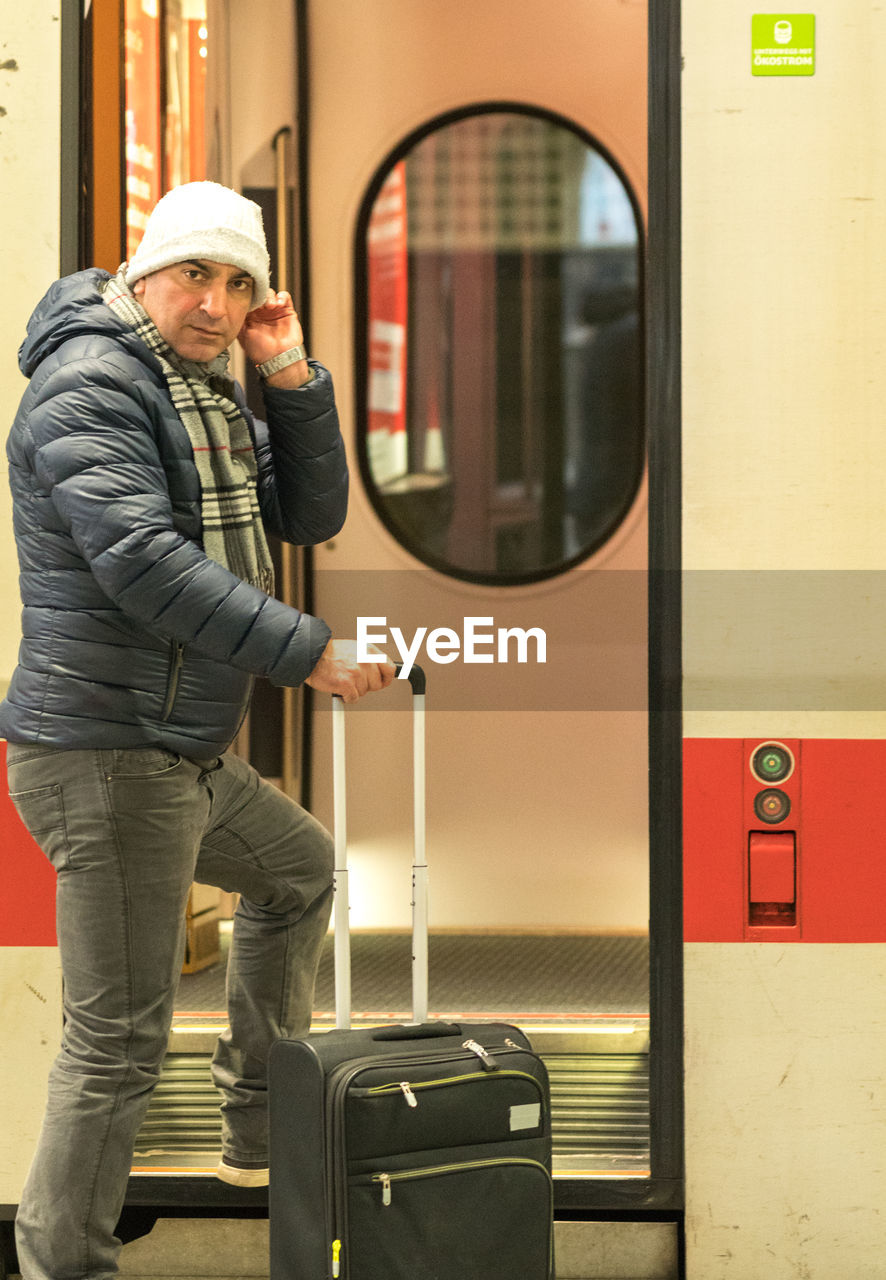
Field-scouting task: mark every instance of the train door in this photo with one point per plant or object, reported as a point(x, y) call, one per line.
point(475, 191)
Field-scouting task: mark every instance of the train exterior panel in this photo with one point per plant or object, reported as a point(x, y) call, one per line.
point(30, 980)
point(783, 552)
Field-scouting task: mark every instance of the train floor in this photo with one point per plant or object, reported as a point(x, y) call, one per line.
point(556, 978)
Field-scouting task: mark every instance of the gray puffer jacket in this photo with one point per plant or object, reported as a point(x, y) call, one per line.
point(131, 635)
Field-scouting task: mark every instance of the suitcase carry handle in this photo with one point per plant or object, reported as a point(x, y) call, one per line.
point(416, 679)
point(421, 1031)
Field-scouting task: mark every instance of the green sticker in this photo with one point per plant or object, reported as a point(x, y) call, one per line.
point(783, 44)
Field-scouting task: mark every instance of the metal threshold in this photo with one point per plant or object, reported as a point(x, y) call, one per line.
point(598, 1066)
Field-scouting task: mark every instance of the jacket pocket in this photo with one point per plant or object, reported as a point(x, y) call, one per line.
point(173, 679)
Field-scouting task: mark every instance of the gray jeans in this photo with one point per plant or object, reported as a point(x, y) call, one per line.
point(127, 832)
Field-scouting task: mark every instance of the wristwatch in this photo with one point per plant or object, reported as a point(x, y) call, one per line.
point(278, 362)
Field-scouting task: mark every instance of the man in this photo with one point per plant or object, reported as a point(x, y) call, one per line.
point(141, 485)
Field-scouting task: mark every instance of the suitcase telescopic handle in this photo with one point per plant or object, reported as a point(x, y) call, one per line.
point(416, 677)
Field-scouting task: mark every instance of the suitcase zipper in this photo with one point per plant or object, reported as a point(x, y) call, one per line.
point(409, 1088)
point(386, 1180)
point(486, 1059)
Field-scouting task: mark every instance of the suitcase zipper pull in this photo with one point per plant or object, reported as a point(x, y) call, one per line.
point(408, 1094)
point(385, 1180)
point(486, 1060)
point(336, 1255)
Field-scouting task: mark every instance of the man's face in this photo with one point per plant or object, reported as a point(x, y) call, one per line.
point(198, 306)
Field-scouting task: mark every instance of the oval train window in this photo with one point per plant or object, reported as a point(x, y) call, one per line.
point(501, 415)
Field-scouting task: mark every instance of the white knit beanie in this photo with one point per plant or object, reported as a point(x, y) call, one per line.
point(207, 221)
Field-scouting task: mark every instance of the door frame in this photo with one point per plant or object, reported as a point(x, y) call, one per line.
point(663, 355)
point(662, 1194)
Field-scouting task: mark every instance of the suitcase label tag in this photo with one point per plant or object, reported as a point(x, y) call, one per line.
point(525, 1116)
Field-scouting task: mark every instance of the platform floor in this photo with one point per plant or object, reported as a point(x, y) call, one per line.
point(237, 1249)
point(584, 1251)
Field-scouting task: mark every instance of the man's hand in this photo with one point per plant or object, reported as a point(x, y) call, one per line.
point(339, 671)
point(270, 330)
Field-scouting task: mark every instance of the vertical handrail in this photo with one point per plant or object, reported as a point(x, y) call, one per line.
point(342, 897)
point(280, 144)
point(289, 763)
point(419, 867)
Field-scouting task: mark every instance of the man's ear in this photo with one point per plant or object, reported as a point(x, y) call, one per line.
point(139, 287)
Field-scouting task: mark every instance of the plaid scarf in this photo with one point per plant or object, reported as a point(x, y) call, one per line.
point(233, 533)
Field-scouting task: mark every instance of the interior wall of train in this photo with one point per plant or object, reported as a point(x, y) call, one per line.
point(784, 542)
point(462, 229)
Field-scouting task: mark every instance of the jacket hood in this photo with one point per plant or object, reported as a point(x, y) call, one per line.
point(71, 307)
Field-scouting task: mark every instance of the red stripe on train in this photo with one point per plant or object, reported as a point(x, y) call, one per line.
point(838, 816)
point(830, 879)
point(27, 881)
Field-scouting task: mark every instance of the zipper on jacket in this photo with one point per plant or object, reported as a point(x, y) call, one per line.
point(176, 662)
point(243, 714)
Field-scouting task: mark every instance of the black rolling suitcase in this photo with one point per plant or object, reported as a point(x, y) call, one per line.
point(419, 1151)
